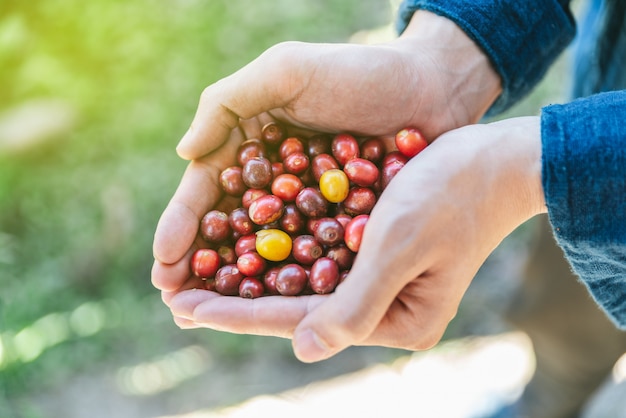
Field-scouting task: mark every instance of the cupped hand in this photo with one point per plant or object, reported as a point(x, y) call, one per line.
point(427, 236)
point(433, 77)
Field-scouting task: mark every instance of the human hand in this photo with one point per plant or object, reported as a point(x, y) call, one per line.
point(429, 233)
point(433, 77)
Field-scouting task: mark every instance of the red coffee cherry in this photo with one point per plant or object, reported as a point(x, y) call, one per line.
point(250, 288)
point(354, 232)
point(272, 133)
point(329, 231)
point(257, 173)
point(306, 249)
point(290, 146)
point(344, 148)
point(227, 280)
point(291, 280)
point(214, 226)
point(266, 209)
point(251, 264)
point(252, 148)
point(410, 142)
point(287, 187)
point(324, 276)
point(295, 232)
point(360, 200)
point(373, 149)
point(296, 163)
point(311, 202)
point(205, 263)
point(361, 172)
point(232, 182)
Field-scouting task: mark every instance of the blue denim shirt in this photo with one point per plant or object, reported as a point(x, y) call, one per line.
point(583, 142)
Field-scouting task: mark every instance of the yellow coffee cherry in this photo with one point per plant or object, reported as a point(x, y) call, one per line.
point(273, 244)
point(334, 185)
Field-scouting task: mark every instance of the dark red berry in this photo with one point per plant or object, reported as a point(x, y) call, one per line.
point(361, 172)
point(322, 163)
point(354, 232)
point(291, 280)
point(214, 226)
point(266, 209)
point(250, 288)
point(289, 146)
point(251, 148)
point(324, 275)
point(287, 187)
point(245, 244)
point(344, 148)
point(240, 222)
point(296, 163)
point(391, 165)
point(227, 254)
point(269, 280)
point(227, 280)
point(251, 195)
point(329, 231)
point(272, 133)
point(318, 144)
point(373, 149)
point(257, 173)
point(306, 249)
point(231, 181)
point(311, 202)
point(251, 263)
point(360, 200)
point(205, 263)
point(342, 255)
point(292, 220)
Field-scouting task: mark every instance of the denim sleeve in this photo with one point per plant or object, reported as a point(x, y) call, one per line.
point(584, 180)
point(522, 38)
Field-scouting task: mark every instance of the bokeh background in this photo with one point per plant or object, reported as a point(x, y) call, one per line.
point(94, 96)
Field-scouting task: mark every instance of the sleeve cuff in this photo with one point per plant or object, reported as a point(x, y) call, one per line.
point(584, 181)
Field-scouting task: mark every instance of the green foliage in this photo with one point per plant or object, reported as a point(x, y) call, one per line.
point(79, 206)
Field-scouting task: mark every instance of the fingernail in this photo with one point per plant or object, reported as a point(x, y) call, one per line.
point(184, 323)
point(183, 304)
point(180, 148)
point(309, 347)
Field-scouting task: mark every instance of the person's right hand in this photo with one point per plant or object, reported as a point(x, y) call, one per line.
point(434, 77)
point(426, 238)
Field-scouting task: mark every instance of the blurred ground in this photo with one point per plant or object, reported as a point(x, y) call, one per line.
point(459, 378)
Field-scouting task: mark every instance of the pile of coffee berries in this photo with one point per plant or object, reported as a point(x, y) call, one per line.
point(304, 203)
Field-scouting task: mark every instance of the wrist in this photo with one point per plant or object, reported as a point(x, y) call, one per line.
point(456, 65)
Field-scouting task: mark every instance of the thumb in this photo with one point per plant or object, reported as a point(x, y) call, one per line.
point(347, 317)
point(264, 84)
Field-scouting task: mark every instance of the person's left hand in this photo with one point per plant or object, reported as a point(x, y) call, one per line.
point(427, 236)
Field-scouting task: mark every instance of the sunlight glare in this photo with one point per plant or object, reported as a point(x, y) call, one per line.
point(164, 372)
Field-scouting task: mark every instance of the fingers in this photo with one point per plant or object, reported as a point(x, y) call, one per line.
point(266, 83)
point(170, 277)
point(269, 315)
point(348, 317)
point(353, 313)
point(385, 298)
point(198, 191)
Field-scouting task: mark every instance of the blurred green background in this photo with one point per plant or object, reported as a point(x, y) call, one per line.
point(93, 99)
